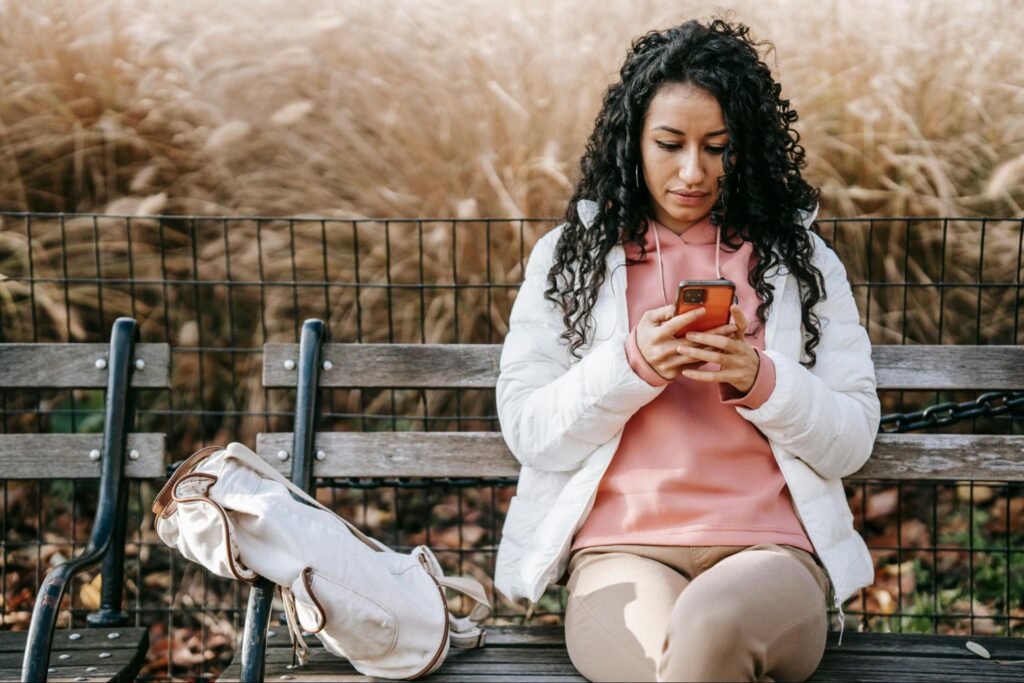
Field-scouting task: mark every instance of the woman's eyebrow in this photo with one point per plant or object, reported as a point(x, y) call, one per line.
point(670, 129)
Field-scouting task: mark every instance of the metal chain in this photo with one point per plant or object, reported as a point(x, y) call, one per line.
point(991, 404)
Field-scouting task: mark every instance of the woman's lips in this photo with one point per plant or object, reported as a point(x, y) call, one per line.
point(689, 199)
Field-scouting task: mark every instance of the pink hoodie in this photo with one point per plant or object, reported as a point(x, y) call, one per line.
point(689, 469)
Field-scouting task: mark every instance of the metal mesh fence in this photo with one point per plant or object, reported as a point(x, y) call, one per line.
point(949, 556)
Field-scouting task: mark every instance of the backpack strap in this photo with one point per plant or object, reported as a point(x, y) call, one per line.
point(466, 632)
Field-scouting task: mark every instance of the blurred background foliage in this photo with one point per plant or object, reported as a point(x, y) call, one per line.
point(474, 108)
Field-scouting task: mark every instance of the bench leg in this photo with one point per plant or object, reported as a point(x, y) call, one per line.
point(112, 586)
point(254, 635)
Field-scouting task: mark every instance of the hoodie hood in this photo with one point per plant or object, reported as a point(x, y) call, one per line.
point(586, 209)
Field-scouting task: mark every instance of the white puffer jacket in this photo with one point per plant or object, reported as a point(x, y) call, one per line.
point(563, 417)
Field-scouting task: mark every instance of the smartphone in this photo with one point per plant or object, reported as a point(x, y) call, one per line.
point(715, 296)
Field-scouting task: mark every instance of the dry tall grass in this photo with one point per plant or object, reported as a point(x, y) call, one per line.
point(473, 108)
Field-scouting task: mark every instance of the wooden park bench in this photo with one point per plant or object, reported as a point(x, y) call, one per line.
point(538, 652)
point(109, 649)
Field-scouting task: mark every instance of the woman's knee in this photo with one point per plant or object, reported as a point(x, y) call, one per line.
point(598, 653)
point(711, 627)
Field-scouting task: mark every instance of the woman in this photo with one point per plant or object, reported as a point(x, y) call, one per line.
point(707, 547)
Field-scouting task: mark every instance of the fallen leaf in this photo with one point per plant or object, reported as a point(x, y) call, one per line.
point(19, 618)
point(982, 494)
point(89, 594)
point(882, 504)
point(977, 649)
point(983, 626)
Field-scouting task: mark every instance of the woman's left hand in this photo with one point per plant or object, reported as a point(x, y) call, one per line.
point(738, 361)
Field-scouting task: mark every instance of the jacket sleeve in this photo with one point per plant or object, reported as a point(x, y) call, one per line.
point(553, 412)
point(828, 415)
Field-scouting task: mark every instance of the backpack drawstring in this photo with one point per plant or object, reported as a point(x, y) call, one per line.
point(300, 651)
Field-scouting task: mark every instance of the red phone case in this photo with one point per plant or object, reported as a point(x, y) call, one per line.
point(719, 296)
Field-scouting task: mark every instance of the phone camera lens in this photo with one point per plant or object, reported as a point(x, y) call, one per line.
point(693, 296)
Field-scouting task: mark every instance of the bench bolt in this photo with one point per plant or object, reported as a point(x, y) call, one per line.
point(282, 455)
point(328, 365)
point(94, 454)
point(101, 363)
point(139, 363)
point(133, 454)
point(289, 364)
point(321, 456)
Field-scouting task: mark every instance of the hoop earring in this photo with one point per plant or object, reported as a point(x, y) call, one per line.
point(636, 175)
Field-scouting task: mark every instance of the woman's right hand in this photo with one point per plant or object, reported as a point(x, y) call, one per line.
point(655, 336)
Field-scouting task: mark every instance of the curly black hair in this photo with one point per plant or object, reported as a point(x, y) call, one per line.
point(761, 192)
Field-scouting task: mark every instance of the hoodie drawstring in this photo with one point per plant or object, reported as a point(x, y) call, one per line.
point(842, 621)
point(661, 269)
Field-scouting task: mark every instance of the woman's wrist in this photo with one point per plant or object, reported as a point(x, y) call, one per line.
point(641, 366)
point(760, 389)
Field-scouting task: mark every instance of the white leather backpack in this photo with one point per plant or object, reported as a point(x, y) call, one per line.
point(384, 611)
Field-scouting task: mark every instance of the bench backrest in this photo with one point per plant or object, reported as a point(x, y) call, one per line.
point(77, 366)
point(484, 454)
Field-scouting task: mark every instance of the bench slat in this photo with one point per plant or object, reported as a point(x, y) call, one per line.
point(89, 639)
point(953, 457)
point(405, 454)
point(956, 457)
point(515, 653)
point(517, 638)
point(948, 367)
point(475, 366)
point(66, 456)
point(62, 366)
point(125, 654)
point(463, 366)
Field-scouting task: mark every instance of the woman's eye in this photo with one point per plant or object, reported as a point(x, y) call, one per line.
point(715, 150)
point(666, 145)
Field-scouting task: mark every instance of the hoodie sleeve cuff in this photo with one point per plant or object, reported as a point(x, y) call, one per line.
point(640, 365)
point(762, 388)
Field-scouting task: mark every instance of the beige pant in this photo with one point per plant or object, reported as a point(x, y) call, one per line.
point(696, 613)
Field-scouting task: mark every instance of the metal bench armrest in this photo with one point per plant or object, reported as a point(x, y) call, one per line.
point(108, 530)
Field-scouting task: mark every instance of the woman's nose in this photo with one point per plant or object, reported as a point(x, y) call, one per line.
point(690, 171)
